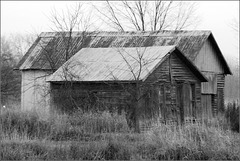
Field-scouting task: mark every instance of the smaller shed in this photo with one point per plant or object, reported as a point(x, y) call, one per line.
point(143, 81)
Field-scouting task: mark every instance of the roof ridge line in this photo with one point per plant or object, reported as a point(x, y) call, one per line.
point(127, 33)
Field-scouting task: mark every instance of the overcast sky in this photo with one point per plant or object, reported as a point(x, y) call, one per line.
point(32, 17)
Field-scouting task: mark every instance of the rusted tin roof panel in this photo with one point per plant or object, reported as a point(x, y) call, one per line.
point(106, 64)
point(35, 54)
point(53, 54)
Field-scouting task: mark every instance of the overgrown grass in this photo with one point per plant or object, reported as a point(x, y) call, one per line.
point(105, 136)
point(61, 127)
point(24, 123)
point(194, 142)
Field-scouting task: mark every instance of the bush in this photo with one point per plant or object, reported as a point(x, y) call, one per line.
point(232, 115)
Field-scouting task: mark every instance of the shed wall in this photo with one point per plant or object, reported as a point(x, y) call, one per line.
point(67, 97)
point(35, 91)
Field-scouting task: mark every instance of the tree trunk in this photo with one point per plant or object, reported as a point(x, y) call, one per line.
point(137, 105)
point(132, 113)
point(132, 119)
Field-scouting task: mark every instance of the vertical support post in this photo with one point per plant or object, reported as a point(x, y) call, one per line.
point(170, 69)
point(164, 103)
point(171, 81)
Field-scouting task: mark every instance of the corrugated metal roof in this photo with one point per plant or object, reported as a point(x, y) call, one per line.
point(189, 42)
point(108, 64)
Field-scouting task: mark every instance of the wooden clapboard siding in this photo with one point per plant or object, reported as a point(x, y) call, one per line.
point(66, 98)
point(179, 71)
point(218, 98)
point(220, 92)
point(214, 104)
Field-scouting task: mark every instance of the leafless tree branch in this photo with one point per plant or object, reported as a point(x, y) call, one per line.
point(148, 15)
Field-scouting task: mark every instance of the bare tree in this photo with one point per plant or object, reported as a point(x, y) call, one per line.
point(13, 47)
point(63, 43)
point(137, 63)
point(148, 15)
point(10, 80)
point(235, 25)
point(63, 24)
point(73, 19)
point(20, 43)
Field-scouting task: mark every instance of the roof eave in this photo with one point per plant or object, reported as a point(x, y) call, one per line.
point(192, 66)
point(21, 62)
point(159, 63)
point(99, 81)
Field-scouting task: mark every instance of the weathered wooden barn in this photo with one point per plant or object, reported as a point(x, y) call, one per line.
point(49, 53)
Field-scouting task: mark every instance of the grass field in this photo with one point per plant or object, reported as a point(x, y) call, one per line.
point(105, 136)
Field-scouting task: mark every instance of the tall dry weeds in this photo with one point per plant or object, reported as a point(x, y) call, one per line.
point(102, 136)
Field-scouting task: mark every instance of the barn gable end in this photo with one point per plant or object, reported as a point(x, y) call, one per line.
point(207, 59)
point(213, 65)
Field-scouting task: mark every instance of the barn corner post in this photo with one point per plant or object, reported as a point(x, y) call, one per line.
point(0, 85)
point(170, 79)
